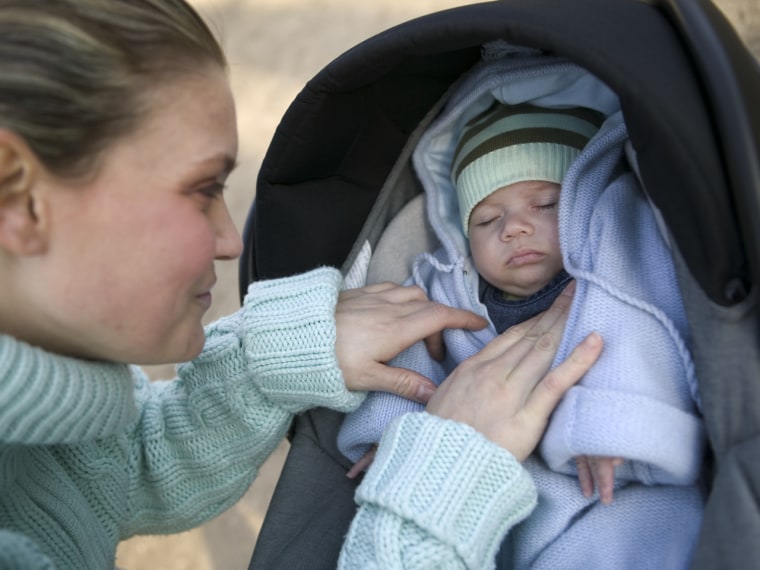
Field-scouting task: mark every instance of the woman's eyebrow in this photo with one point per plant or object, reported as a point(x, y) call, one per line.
point(230, 164)
point(225, 163)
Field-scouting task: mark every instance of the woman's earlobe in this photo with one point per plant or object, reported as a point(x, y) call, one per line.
point(22, 218)
point(20, 231)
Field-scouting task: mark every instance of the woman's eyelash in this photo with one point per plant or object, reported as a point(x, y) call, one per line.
point(213, 190)
point(548, 206)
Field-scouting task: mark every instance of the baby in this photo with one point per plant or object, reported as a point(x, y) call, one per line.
point(507, 171)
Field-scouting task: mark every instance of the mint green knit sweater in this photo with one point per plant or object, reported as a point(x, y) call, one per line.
point(92, 453)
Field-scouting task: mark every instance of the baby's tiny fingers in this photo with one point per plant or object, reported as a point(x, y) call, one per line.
point(584, 476)
point(362, 464)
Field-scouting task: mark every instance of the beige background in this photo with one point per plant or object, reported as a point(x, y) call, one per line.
point(274, 47)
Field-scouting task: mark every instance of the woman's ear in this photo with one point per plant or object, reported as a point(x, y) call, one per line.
point(23, 221)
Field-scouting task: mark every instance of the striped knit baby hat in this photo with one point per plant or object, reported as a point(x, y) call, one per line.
point(507, 144)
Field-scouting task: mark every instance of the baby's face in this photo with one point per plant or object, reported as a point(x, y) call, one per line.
point(514, 237)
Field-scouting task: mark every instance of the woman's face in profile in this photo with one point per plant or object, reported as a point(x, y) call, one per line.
point(130, 269)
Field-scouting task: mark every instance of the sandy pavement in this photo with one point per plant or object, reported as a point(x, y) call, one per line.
point(274, 47)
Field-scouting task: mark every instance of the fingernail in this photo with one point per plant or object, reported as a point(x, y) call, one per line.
point(570, 289)
point(424, 393)
point(594, 338)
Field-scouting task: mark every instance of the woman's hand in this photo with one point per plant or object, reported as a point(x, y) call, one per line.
point(377, 322)
point(506, 391)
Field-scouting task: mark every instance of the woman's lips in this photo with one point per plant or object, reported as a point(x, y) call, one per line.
point(204, 299)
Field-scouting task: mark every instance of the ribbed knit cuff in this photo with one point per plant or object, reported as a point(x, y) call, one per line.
point(452, 482)
point(290, 341)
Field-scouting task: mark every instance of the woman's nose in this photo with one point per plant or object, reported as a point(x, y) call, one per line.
point(229, 244)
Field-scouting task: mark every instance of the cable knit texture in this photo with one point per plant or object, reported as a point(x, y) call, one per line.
point(93, 453)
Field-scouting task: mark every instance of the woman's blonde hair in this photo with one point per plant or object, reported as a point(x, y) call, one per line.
point(75, 75)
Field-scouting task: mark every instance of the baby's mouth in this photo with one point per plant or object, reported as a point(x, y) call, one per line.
point(525, 257)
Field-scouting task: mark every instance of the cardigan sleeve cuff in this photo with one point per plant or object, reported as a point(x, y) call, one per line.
point(452, 482)
point(290, 341)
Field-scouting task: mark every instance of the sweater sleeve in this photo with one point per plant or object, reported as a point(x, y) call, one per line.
point(47, 398)
point(438, 494)
point(201, 438)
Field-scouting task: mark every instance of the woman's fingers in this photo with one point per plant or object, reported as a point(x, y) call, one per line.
point(376, 323)
point(526, 334)
point(554, 318)
point(550, 389)
point(506, 391)
point(375, 288)
point(406, 383)
point(509, 398)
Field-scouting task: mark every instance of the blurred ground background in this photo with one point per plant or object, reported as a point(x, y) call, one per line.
point(274, 47)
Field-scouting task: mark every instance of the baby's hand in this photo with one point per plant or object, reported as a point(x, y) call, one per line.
point(597, 471)
point(363, 464)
